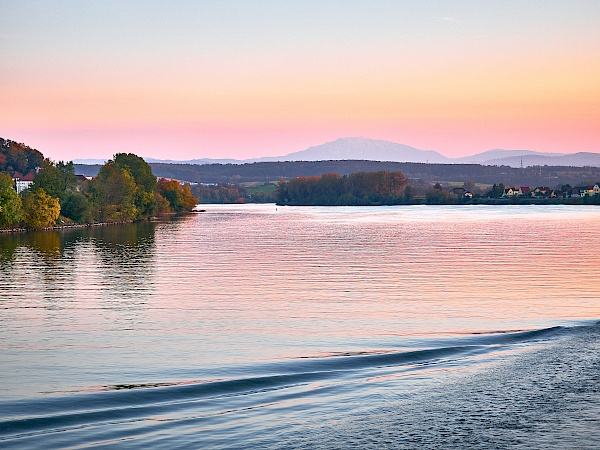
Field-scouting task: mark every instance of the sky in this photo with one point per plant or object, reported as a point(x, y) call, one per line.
point(184, 79)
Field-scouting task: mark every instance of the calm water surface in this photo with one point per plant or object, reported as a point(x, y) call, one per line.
point(263, 326)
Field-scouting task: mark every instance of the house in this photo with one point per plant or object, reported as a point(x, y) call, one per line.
point(525, 190)
point(596, 190)
point(23, 182)
point(584, 191)
point(81, 180)
point(542, 191)
point(458, 191)
point(511, 192)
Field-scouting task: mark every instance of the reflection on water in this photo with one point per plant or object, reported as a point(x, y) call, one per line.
point(121, 255)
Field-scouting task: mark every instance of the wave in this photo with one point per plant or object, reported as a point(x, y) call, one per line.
point(125, 403)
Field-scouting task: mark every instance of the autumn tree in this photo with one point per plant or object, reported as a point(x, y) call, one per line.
point(18, 157)
point(40, 210)
point(179, 198)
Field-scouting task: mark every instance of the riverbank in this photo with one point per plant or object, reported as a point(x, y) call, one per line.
point(86, 225)
point(587, 201)
point(62, 227)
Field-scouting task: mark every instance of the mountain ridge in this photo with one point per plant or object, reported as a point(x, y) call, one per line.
point(360, 148)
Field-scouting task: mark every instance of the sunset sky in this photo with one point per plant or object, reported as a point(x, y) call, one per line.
point(184, 79)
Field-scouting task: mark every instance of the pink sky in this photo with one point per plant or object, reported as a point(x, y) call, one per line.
point(188, 80)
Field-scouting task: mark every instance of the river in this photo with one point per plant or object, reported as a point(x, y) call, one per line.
point(257, 326)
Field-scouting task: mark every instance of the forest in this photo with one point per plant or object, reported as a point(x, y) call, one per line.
point(124, 190)
point(426, 173)
point(360, 188)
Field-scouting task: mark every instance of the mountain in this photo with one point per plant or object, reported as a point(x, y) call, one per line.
point(580, 159)
point(357, 148)
point(362, 149)
point(500, 154)
point(89, 161)
point(196, 161)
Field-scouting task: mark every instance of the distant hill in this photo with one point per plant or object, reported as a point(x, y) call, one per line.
point(491, 156)
point(427, 173)
point(580, 159)
point(17, 157)
point(358, 148)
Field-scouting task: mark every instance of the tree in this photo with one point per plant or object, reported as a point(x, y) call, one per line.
point(437, 195)
point(139, 169)
point(408, 194)
point(10, 202)
point(18, 157)
point(496, 191)
point(145, 181)
point(180, 198)
point(469, 186)
point(56, 179)
point(40, 210)
point(113, 194)
point(76, 207)
point(360, 188)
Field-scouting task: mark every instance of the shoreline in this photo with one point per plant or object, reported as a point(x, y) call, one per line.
point(61, 227)
point(84, 225)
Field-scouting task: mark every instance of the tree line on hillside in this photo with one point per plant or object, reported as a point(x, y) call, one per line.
point(428, 173)
point(360, 188)
point(125, 189)
point(228, 174)
point(16, 157)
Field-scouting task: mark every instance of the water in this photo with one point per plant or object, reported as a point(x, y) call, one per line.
point(251, 326)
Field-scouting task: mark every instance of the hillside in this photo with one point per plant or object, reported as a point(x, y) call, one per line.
point(16, 157)
point(273, 171)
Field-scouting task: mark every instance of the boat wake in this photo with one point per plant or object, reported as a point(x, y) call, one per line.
point(218, 412)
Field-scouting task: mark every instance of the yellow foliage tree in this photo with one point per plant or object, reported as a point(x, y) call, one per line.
point(40, 210)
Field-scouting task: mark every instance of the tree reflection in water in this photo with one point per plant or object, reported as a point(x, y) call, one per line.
point(110, 266)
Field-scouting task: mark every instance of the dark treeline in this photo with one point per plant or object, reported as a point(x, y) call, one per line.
point(221, 193)
point(392, 188)
point(429, 173)
point(360, 188)
point(229, 193)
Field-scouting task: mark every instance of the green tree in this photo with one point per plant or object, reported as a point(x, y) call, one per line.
point(408, 194)
point(113, 194)
point(10, 202)
point(282, 192)
point(437, 195)
point(56, 179)
point(76, 207)
point(496, 191)
point(145, 181)
point(40, 210)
